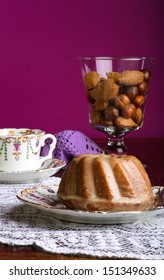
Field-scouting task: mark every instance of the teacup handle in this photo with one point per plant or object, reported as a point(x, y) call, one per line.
point(52, 147)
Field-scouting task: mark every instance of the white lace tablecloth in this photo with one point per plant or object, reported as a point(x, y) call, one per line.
point(21, 224)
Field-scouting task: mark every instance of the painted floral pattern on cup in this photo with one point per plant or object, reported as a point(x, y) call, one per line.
point(20, 149)
point(17, 144)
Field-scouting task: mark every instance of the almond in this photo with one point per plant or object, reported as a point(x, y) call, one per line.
point(91, 79)
point(120, 121)
point(113, 75)
point(93, 94)
point(131, 78)
point(108, 90)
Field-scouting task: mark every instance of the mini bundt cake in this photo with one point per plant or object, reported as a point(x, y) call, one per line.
point(106, 183)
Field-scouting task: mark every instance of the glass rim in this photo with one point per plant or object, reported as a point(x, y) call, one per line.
point(117, 58)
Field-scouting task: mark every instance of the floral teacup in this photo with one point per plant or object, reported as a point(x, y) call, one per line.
point(20, 149)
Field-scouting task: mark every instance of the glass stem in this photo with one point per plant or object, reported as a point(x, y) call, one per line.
point(116, 145)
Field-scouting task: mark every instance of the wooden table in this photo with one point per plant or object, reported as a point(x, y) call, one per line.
point(151, 154)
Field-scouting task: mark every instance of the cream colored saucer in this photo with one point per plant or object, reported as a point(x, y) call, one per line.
point(45, 198)
point(49, 168)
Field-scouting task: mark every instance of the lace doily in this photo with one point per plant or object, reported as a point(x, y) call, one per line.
point(21, 224)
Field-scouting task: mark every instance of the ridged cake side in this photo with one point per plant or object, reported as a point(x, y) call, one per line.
point(106, 183)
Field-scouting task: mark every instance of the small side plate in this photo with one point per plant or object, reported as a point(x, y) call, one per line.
point(45, 198)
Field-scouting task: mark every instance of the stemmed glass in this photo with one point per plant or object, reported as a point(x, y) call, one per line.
point(116, 90)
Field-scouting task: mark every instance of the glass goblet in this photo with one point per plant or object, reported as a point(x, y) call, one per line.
point(116, 89)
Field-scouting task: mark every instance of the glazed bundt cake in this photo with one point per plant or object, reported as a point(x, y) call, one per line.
point(106, 183)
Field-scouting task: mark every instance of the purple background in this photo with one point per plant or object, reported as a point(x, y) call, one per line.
point(40, 42)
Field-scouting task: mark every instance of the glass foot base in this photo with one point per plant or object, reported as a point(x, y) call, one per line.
point(116, 146)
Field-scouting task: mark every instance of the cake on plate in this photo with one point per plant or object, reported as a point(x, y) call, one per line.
point(106, 183)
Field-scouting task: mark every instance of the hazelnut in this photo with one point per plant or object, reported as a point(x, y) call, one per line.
point(143, 88)
point(95, 117)
point(128, 111)
point(147, 75)
point(138, 116)
point(131, 92)
point(100, 105)
point(121, 101)
point(106, 123)
point(139, 100)
point(111, 113)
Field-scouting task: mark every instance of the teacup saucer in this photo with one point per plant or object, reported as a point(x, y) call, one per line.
point(48, 168)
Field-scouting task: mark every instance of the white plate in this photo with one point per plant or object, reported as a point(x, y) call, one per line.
point(44, 198)
point(49, 168)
